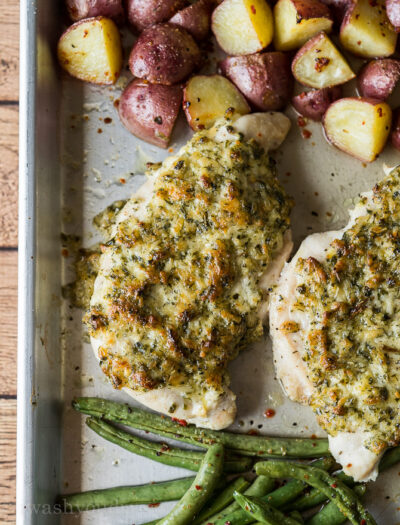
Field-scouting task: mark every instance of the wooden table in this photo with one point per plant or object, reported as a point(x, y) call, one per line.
point(9, 45)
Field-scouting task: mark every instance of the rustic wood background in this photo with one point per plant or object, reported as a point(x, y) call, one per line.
point(9, 45)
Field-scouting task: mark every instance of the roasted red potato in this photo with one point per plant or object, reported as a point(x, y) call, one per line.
point(378, 78)
point(313, 104)
point(296, 21)
point(164, 54)
point(149, 111)
point(195, 18)
point(145, 13)
point(366, 30)
point(91, 50)
point(393, 13)
point(264, 79)
point(242, 27)
point(358, 126)
point(79, 9)
point(207, 98)
point(319, 64)
point(395, 134)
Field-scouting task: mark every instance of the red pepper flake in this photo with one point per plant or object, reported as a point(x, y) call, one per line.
point(198, 487)
point(99, 130)
point(253, 9)
point(270, 412)
point(301, 122)
point(116, 103)
point(107, 120)
point(334, 486)
point(349, 465)
point(313, 436)
point(363, 123)
point(181, 422)
point(252, 432)
point(306, 133)
point(122, 180)
point(380, 112)
point(321, 63)
point(363, 522)
point(153, 505)
point(64, 252)
point(359, 43)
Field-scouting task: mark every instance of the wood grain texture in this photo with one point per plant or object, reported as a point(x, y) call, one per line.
point(8, 431)
point(8, 326)
point(9, 46)
point(8, 175)
point(9, 49)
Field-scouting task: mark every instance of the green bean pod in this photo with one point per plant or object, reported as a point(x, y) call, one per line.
point(330, 514)
point(278, 498)
point(262, 511)
point(334, 489)
point(221, 500)
point(201, 489)
point(160, 452)
point(128, 495)
point(261, 486)
point(260, 446)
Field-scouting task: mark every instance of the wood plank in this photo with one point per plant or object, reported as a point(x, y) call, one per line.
point(8, 433)
point(9, 49)
point(8, 325)
point(9, 175)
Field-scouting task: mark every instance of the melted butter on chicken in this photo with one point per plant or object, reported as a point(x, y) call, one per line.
point(184, 276)
point(335, 325)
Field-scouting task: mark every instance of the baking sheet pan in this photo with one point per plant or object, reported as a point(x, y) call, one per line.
point(73, 165)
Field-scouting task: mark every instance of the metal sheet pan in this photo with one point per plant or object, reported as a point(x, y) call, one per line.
point(69, 171)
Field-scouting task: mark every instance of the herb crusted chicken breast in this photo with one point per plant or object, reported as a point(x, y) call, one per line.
point(335, 326)
point(184, 277)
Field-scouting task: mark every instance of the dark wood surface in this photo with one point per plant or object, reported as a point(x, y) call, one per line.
point(9, 46)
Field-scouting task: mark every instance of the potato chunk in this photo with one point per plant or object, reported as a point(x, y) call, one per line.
point(319, 64)
point(91, 50)
point(149, 111)
point(358, 126)
point(298, 20)
point(366, 30)
point(207, 98)
point(242, 27)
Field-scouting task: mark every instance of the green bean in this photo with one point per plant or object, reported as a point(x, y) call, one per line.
point(260, 446)
point(261, 486)
point(330, 514)
point(315, 497)
point(278, 498)
point(130, 495)
point(333, 488)
point(262, 511)
point(201, 489)
point(222, 500)
point(160, 452)
point(390, 458)
point(297, 516)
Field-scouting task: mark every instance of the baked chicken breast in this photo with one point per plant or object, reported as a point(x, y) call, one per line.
point(335, 327)
point(184, 277)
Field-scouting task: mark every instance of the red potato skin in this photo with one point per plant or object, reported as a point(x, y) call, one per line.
point(311, 9)
point(196, 19)
point(378, 78)
point(145, 13)
point(264, 79)
point(313, 104)
point(395, 133)
point(149, 111)
point(393, 13)
point(164, 54)
point(79, 9)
